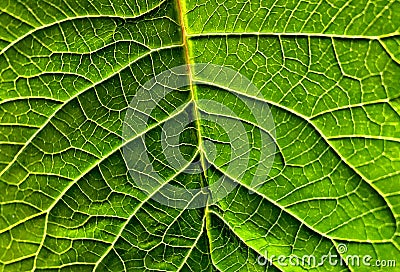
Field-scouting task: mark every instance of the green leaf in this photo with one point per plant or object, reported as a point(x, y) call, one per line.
point(328, 74)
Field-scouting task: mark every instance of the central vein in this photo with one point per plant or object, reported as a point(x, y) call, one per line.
point(185, 42)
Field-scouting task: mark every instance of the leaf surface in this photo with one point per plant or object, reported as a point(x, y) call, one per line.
point(328, 72)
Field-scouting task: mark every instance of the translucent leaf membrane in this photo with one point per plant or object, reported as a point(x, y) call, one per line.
point(328, 72)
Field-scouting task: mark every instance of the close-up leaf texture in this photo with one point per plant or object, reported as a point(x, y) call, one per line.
point(329, 72)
